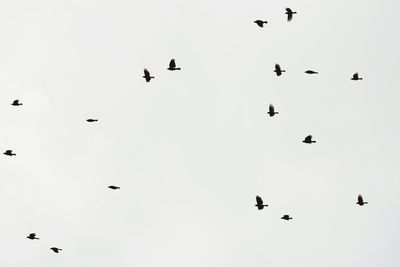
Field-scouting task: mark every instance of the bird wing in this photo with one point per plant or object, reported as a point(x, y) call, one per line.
point(172, 64)
point(277, 67)
point(259, 200)
point(271, 108)
point(146, 73)
point(308, 138)
point(289, 16)
point(360, 199)
point(355, 75)
point(288, 10)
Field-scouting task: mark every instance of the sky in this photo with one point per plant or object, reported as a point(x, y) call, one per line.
point(192, 148)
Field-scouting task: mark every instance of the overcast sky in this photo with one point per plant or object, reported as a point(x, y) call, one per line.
point(191, 149)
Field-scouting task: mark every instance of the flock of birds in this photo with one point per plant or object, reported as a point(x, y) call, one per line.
point(172, 67)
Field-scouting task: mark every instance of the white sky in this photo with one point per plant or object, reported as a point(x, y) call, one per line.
point(191, 149)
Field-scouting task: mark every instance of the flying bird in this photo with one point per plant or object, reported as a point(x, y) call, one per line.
point(32, 236)
point(361, 201)
point(147, 76)
point(56, 250)
point(289, 14)
point(9, 153)
point(16, 103)
point(286, 217)
point(172, 65)
point(278, 70)
point(260, 203)
point(260, 23)
point(271, 111)
point(113, 187)
point(308, 140)
point(311, 72)
point(355, 77)
point(91, 120)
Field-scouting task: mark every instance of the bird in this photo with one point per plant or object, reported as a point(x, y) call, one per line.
point(56, 250)
point(91, 120)
point(9, 153)
point(308, 140)
point(260, 203)
point(278, 70)
point(16, 103)
point(286, 217)
point(260, 23)
point(289, 14)
point(271, 111)
point(113, 187)
point(32, 236)
point(361, 201)
point(355, 77)
point(172, 65)
point(147, 76)
point(311, 72)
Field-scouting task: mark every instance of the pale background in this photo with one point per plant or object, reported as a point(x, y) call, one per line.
point(192, 149)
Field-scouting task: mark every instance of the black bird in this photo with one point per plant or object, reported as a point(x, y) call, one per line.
point(91, 120)
point(113, 187)
point(172, 65)
point(147, 76)
point(271, 111)
point(32, 236)
point(308, 140)
point(286, 217)
point(260, 203)
point(311, 72)
point(289, 14)
point(260, 23)
point(278, 70)
point(355, 77)
point(16, 103)
point(56, 250)
point(9, 153)
point(361, 201)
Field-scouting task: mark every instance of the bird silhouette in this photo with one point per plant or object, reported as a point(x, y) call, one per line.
point(311, 72)
point(16, 103)
point(56, 250)
point(260, 23)
point(289, 14)
point(271, 111)
point(286, 217)
point(356, 77)
point(91, 120)
point(361, 201)
point(147, 76)
point(308, 140)
point(113, 187)
point(9, 153)
point(278, 70)
point(260, 203)
point(172, 65)
point(32, 236)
